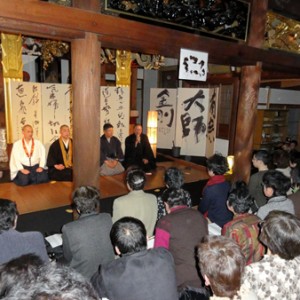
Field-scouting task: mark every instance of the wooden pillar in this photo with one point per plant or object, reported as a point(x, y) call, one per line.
point(250, 81)
point(86, 109)
point(258, 23)
point(86, 103)
point(234, 111)
point(248, 96)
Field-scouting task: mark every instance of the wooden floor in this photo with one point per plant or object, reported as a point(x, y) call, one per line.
point(56, 194)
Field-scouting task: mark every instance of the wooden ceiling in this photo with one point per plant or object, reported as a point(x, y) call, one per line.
point(67, 23)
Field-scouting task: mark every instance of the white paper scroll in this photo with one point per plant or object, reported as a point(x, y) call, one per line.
point(192, 115)
point(26, 106)
point(164, 101)
point(114, 109)
point(56, 110)
point(212, 122)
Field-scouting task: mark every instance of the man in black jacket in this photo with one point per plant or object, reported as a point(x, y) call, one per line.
point(138, 150)
point(139, 273)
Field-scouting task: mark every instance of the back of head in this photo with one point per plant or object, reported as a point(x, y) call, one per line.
point(217, 164)
point(86, 199)
point(223, 262)
point(239, 198)
point(280, 232)
point(136, 178)
point(8, 213)
point(56, 282)
point(281, 159)
point(129, 235)
point(174, 178)
point(22, 270)
point(175, 197)
point(277, 181)
point(263, 156)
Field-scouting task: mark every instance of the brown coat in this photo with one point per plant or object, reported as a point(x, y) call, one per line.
point(186, 227)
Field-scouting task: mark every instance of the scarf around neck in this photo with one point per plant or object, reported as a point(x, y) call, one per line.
point(67, 156)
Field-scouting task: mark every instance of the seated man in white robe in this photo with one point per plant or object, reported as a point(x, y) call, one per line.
point(28, 159)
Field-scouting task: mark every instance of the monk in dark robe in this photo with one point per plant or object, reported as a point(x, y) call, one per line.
point(60, 160)
point(138, 151)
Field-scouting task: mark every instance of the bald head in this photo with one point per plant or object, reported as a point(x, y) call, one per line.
point(27, 131)
point(65, 132)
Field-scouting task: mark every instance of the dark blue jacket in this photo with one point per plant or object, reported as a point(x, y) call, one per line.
point(214, 202)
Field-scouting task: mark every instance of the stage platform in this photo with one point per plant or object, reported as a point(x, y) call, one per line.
point(57, 194)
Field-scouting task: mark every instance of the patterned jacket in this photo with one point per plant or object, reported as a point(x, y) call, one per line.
point(274, 278)
point(244, 230)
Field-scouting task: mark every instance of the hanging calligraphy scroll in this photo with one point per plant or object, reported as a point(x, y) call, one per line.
point(212, 122)
point(164, 102)
point(55, 109)
point(191, 124)
point(114, 109)
point(26, 108)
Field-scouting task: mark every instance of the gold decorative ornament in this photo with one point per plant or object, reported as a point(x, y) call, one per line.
point(123, 68)
point(51, 49)
point(11, 46)
point(282, 33)
point(147, 61)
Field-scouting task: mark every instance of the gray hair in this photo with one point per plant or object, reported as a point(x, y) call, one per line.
point(54, 282)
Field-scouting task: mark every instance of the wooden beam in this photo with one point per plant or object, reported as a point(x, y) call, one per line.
point(116, 32)
point(39, 30)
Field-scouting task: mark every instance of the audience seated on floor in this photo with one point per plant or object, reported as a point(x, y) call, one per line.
point(275, 186)
point(277, 275)
point(295, 197)
point(174, 179)
point(222, 265)
point(24, 278)
point(14, 243)
point(215, 192)
point(136, 203)
point(244, 227)
point(261, 161)
point(86, 242)
point(138, 273)
point(28, 160)
point(281, 160)
point(179, 232)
